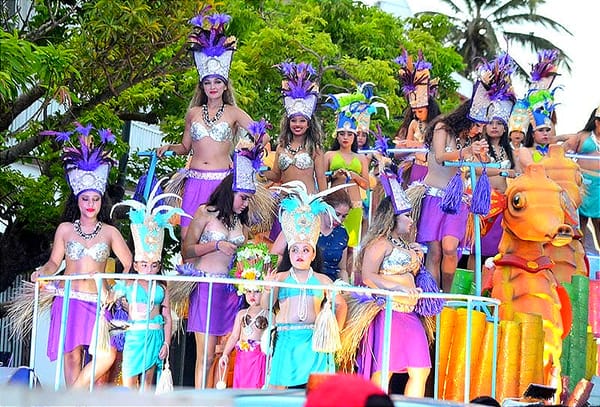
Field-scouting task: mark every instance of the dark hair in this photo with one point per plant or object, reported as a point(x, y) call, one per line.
point(505, 144)
point(339, 197)
point(433, 111)
point(72, 212)
point(379, 400)
point(486, 401)
point(222, 200)
point(285, 264)
point(590, 125)
point(528, 141)
point(314, 134)
point(455, 122)
point(336, 144)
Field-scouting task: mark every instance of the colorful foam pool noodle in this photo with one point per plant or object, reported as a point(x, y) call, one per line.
point(594, 307)
point(481, 376)
point(457, 363)
point(592, 356)
point(531, 362)
point(447, 322)
point(575, 344)
point(507, 379)
point(462, 282)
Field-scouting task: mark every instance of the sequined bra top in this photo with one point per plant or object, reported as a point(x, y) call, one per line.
point(302, 161)
point(98, 252)
point(220, 132)
point(400, 261)
point(214, 236)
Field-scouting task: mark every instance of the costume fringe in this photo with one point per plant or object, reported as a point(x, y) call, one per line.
point(175, 185)
point(415, 194)
point(261, 210)
point(179, 296)
point(326, 336)
point(19, 312)
point(103, 334)
point(429, 325)
point(362, 310)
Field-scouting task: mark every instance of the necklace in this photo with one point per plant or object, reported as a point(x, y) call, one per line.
point(87, 236)
point(292, 150)
point(233, 220)
point(207, 120)
point(303, 302)
point(459, 145)
point(500, 153)
point(249, 322)
point(398, 242)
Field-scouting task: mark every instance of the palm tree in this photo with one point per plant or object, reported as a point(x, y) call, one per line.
point(479, 23)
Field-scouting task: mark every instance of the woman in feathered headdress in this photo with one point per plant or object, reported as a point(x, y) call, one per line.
point(213, 120)
point(344, 162)
point(84, 241)
point(219, 227)
point(301, 347)
point(299, 154)
point(418, 89)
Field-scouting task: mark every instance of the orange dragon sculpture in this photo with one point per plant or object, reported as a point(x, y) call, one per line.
point(569, 259)
point(522, 278)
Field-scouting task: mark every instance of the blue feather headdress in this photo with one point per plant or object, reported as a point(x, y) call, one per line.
point(355, 108)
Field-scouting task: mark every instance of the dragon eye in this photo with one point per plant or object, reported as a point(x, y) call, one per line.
point(518, 201)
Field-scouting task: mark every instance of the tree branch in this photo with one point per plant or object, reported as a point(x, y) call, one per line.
point(8, 114)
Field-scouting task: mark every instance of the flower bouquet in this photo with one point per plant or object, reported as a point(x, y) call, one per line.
point(252, 262)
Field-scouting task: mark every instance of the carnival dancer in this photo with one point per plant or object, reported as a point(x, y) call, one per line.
point(213, 120)
point(418, 88)
point(219, 227)
point(84, 241)
point(518, 124)
point(299, 154)
point(148, 335)
point(587, 143)
point(344, 162)
point(294, 357)
point(248, 328)
point(389, 261)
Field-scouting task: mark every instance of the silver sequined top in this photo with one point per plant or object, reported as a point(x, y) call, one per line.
point(220, 132)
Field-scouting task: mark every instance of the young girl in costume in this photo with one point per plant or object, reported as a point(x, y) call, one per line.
point(148, 336)
point(213, 119)
point(250, 360)
point(84, 241)
point(294, 358)
point(219, 227)
point(299, 154)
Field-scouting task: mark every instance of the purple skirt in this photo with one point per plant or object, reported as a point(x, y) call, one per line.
point(198, 188)
point(417, 172)
point(408, 345)
point(80, 324)
point(490, 241)
point(225, 304)
point(435, 224)
point(249, 370)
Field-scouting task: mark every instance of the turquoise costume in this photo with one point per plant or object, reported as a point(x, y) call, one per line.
point(144, 338)
point(293, 358)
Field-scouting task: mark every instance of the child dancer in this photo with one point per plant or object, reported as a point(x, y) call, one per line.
point(148, 336)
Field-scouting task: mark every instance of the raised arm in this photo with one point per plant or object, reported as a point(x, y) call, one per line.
point(185, 146)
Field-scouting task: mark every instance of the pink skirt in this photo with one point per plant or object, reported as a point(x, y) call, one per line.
point(81, 318)
point(249, 370)
point(408, 345)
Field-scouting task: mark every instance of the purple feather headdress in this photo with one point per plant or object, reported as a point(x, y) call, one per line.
point(300, 91)
point(415, 78)
point(247, 159)
point(493, 95)
point(212, 48)
point(86, 165)
point(544, 71)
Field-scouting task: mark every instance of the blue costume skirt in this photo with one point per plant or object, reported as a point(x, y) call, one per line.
point(143, 346)
point(293, 358)
point(590, 206)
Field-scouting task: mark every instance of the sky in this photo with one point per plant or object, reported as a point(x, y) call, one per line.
point(581, 89)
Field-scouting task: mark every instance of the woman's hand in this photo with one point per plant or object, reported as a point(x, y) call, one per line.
point(35, 275)
point(225, 247)
point(160, 151)
point(413, 292)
